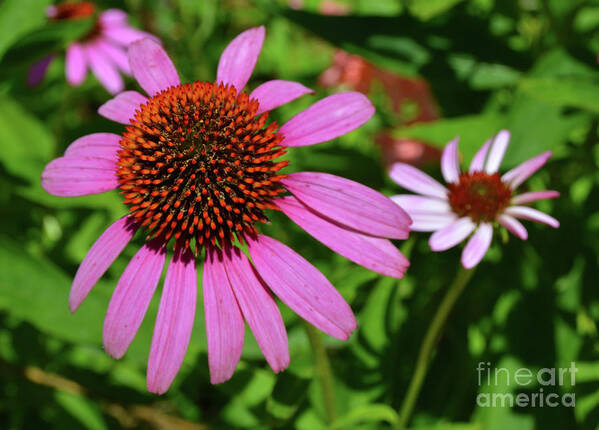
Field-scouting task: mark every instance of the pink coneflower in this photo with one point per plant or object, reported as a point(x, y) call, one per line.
point(197, 166)
point(103, 49)
point(473, 201)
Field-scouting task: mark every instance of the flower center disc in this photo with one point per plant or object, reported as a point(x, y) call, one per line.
point(479, 195)
point(75, 11)
point(197, 165)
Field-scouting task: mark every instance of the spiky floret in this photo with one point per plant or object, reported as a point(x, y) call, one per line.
point(197, 165)
point(479, 195)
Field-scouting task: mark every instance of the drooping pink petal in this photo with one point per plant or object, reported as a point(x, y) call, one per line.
point(224, 322)
point(151, 66)
point(259, 309)
point(513, 226)
point(427, 213)
point(104, 70)
point(478, 161)
point(38, 70)
point(522, 172)
point(112, 18)
point(451, 235)
point(374, 253)
point(534, 196)
point(497, 151)
point(417, 181)
point(327, 119)
point(477, 245)
point(302, 287)
point(96, 145)
point(79, 176)
point(75, 64)
point(99, 258)
point(174, 322)
point(116, 54)
point(431, 222)
point(126, 35)
point(131, 299)
point(349, 203)
point(450, 162)
point(275, 93)
point(524, 212)
point(239, 58)
point(122, 107)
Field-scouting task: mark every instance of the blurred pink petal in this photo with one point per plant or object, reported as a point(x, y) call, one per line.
point(239, 58)
point(522, 172)
point(273, 94)
point(534, 196)
point(450, 162)
point(451, 235)
point(497, 151)
point(478, 161)
point(104, 70)
point(477, 245)
point(524, 212)
point(116, 55)
point(417, 181)
point(75, 64)
point(513, 226)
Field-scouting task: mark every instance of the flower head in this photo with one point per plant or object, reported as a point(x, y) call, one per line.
point(199, 169)
point(103, 49)
point(474, 201)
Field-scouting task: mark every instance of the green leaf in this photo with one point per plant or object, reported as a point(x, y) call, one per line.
point(373, 413)
point(17, 17)
point(571, 92)
point(84, 410)
point(427, 9)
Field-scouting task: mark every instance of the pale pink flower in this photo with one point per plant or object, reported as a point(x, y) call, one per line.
point(474, 201)
point(197, 168)
point(103, 50)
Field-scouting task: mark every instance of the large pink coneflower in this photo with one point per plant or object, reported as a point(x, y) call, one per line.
point(103, 50)
point(197, 166)
point(473, 201)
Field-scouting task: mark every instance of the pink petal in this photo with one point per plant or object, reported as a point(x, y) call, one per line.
point(96, 145)
point(417, 181)
point(478, 161)
point(513, 226)
point(75, 64)
point(259, 309)
point(427, 213)
point(174, 322)
point(104, 70)
point(327, 119)
point(99, 258)
point(113, 18)
point(374, 253)
point(497, 151)
point(126, 35)
point(522, 172)
point(224, 322)
point(273, 94)
point(239, 58)
point(451, 235)
point(38, 70)
point(151, 66)
point(302, 287)
point(78, 176)
point(431, 222)
point(450, 162)
point(116, 54)
point(349, 203)
point(131, 299)
point(534, 196)
point(122, 108)
point(477, 246)
point(524, 212)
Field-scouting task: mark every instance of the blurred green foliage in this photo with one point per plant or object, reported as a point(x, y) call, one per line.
point(528, 65)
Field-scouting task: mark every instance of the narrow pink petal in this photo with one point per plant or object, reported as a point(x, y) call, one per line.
point(224, 322)
point(104, 70)
point(99, 258)
point(116, 54)
point(174, 322)
point(126, 35)
point(131, 298)
point(272, 94)
point(450, 162)
point(431, 221)
point(302, 287)
point(413, 204)
point(349, 203)
point(122, 107)
point(513, 226)
point(79, 176)
point(478, 161)
point(522, 172)
point(38, 70)
point(374, 253)
point(524, 212)
point(112, 18)
point(417, 181)
point(239, 58)
point(96, 145)
point(451, 235)
point(259, 309)
point(497, 151)
point(327, 119)
point(152, 67)
point(75, 64)
point(534, 196)
point(477, 245)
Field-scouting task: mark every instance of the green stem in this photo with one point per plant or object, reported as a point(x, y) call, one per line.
point(428, 344)
point(323, 370)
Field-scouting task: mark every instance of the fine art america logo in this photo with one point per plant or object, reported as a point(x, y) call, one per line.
point(531, 388)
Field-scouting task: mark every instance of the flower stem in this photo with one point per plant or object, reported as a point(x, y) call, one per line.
point(323, 371)
point(428, 344)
